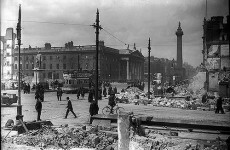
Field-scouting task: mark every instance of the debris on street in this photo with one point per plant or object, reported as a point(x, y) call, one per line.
point(64, 137)
point(183, 99)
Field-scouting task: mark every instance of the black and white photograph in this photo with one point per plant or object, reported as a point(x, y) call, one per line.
point(115, 74)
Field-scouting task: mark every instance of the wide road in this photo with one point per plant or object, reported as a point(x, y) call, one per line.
point(55, 111)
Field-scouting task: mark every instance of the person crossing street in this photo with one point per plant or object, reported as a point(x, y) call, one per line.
point(69, 108)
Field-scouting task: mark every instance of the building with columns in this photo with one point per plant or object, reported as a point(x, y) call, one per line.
point(114, 64)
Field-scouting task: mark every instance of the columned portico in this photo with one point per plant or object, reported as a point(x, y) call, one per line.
point(127, 69)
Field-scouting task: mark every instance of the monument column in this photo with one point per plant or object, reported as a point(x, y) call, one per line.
point(179, 34)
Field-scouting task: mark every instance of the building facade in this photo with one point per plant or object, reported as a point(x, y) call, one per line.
point(8, 45)
point(114, 64)
point(216, 54)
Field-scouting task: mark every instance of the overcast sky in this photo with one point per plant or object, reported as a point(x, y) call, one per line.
point(131, 21)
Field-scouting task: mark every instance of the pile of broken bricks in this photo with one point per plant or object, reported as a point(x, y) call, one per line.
point(64, 137)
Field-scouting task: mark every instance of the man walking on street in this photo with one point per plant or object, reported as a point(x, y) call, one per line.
point(69, 108)
point(38, 108)
point(59, 93)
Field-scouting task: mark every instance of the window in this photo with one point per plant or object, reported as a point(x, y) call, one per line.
point(32, 74)
point(51, 57)
point(8, 45)
point(15, 58)
point(7, 63)
point(20, 66)
point(57, 66)
point(8, 72)
point(44, 57)
point(64, 57)
point(7, 54)
point(27, 58)
point(50, 75)
point(64, 66)
point(27, 66)
point(44, 75)
point(51, 66)
point(15, 66)
point(32, 65)
point(44, 66)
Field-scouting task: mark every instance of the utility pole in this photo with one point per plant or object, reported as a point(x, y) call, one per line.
point(97, 26)
point(19, 106)
point(149, 71)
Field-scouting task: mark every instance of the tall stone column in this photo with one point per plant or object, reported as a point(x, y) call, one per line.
point(179, 34)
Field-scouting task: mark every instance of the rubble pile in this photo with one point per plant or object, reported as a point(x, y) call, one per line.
point(64, 138)
point(156, 140)
point(185, 100)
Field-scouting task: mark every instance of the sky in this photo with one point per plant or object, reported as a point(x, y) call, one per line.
point(124, 23)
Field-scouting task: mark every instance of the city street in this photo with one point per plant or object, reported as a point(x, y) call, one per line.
point(54, 111)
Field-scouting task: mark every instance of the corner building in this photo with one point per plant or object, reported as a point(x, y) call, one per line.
point(113, 64)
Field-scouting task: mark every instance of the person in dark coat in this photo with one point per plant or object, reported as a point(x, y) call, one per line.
point(115, 90)
point(38, 108)
point(82, 93)
point(219, 105)
point(78, 93)
point(59, 93)
point(112, 102)
point(109, 90)
point(93, 109)
point(90, 97)
point(204, 98)
point(104, 92)
point(100, 94)
point(69, 108)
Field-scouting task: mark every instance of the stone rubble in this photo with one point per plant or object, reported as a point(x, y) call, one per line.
point(184, 99)
point(65, 138)
point(155, 140)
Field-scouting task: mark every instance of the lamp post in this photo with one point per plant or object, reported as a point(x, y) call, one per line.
point(19, 106)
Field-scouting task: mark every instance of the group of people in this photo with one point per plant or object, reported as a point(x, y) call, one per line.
point(26, 88)
point(81, 92)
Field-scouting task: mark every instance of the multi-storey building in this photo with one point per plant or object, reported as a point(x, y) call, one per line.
point(216, 54)
point(8, 45)
point(114, 64)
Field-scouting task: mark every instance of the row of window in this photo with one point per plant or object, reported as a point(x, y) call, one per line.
point(58, 57)
point(49, 75)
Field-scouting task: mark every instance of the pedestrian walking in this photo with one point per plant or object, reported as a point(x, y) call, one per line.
point(82, 93)
point(59, 93)
point(219, 105)
point(69, 108)
point(90, 97)
point(115, 90)
point(110, 90)
point(104, 92)
point(38, 108)
point(78, 93)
